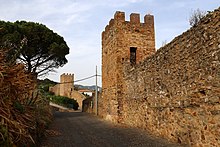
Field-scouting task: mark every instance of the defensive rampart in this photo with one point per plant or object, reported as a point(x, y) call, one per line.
point(174, 93)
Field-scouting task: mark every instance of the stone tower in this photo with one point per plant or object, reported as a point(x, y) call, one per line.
point(66, 84)
point(122, 42)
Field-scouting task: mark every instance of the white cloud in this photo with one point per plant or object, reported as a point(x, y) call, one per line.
point(134, 1)
point(81, 22)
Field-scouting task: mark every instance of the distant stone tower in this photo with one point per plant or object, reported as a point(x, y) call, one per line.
point(66, 84)
point(123, 41)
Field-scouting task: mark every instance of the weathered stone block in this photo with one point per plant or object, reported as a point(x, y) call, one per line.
point(173, 92)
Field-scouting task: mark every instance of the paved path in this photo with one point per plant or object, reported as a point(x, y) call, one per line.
point(77, 129)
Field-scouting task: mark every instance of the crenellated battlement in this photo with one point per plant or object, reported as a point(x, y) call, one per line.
point(119, 16)
point(122, 42)
point(67, 74)
point(135, 18)
point(180, 82)
point(66, 77)
point(67, 82)
point(134, 24)
point(133, 33)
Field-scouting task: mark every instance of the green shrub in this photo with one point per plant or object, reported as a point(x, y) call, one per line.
point(61, 100)
point(43, 87)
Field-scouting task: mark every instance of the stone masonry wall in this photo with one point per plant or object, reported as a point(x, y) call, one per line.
point(176, 92)
point(66, 84)
point(66, 88)
point(117, 39)
point(78, 97)
point(55, 89)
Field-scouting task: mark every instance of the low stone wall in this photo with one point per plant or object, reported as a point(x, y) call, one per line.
point(71, 94)
point(78, 97)
point(87, 105)
point(55, 89)
point(176, 92)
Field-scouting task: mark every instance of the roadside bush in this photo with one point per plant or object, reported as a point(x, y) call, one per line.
point(22, 110)
point(63, 101)
point(43, 87)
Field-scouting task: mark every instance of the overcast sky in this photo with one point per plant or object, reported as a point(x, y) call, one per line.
point(81, 23)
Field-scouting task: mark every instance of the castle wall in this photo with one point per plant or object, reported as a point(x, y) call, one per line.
point(66, 88)
point(174, 93)
point(117, 39)
point(55, 89)
point(87, 105)
point(78, 97)
point(66, 84)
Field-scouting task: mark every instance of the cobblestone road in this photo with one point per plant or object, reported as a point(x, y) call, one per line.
point(76, 129)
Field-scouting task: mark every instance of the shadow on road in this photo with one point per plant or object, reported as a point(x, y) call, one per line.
point(80, 129)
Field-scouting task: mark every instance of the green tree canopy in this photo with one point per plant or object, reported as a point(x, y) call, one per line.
point(35, 45)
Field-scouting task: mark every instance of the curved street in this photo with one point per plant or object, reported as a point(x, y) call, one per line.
point(77, 129)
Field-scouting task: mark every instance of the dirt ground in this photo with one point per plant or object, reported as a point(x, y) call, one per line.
point(77, 129)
